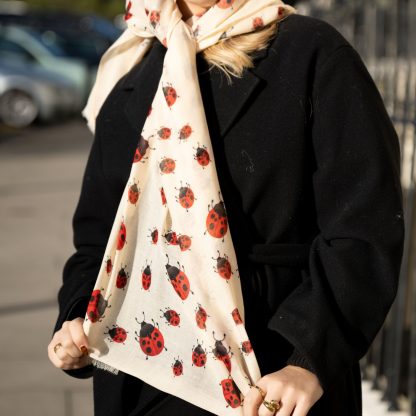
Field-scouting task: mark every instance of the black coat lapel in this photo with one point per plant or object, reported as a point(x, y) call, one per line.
point(228, 101)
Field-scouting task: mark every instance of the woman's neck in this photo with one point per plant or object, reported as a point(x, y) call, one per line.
point(198, 7)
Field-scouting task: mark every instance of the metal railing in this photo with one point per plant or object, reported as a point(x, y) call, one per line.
point(384, 33)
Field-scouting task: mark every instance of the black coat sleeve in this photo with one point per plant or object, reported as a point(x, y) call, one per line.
point(91, 223)
point(351, 280)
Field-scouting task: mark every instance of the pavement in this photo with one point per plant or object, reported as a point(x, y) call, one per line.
point(40, 174)
point(41, 170)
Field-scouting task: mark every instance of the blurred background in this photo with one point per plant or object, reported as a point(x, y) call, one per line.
point(49, 52)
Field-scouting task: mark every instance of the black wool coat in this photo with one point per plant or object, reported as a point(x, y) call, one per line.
point(309, 168)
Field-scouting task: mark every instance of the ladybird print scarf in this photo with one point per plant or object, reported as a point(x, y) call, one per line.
point(167, 305)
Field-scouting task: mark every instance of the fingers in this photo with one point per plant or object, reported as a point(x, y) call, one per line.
point(77, 334)
point(284, 409)
point(302, 407)
point(66, 362)
point(253, 399)
point(292, 401)
point(72, 339)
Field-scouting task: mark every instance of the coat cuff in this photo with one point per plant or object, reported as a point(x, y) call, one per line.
point(300, 360)
point(82, 373)
point(78, 308)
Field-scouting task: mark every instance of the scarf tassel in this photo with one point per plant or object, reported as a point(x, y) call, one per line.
point(103, 366)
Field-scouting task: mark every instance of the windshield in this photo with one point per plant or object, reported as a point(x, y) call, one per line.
point(51, 43)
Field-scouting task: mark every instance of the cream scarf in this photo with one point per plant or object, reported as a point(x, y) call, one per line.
point(167, 306)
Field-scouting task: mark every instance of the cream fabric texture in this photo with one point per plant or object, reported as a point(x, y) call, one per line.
point(167, 305)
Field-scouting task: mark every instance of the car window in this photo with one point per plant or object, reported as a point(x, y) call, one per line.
point(10, 49)
point(47, 42)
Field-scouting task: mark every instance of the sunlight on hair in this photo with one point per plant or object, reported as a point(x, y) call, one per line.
point(232, 55)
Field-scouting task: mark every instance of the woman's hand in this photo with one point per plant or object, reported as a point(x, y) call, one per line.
point(296, 388)
point(74, 350)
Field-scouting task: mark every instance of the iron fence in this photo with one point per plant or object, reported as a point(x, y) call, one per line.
point(384, 33)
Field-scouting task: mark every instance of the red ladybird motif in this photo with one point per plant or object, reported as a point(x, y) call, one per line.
point(246, 347)
point(150, 338)
point(146, 277)
point(171, 238)
point(236, 316)
point(185, 132)
point(257, 23)
point(108, 265)
point(179, 280)
point(154, 18)
point(177, 367)
point(154, 235)
point(224, 4)
point(171, 316)
point(223, 266)
point(122, 234)
point(117, 334)
point(122, 277)
point(133, 193)
point(128, 15)
point(202, 156)
point(163, 196)
point(199, 355)
point(170, 94)
point(216, 221)
point(186, 196)
point(280, 11)
point(97, 306)
point(141, 150)
point(164, 133)
point(201, 317)
point(231, 392)
point(221, 353)
point(167, 165)
point(184, 242)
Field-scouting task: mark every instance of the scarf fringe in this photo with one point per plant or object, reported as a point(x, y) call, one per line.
point(104, 366)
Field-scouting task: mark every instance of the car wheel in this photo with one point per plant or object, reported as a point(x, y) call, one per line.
point(17, 109)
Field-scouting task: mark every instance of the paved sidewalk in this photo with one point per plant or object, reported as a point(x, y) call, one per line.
point(372, 404)
point(40, 178)
point(40, 175)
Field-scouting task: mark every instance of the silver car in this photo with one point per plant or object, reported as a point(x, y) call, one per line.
point(27, 44)
point(29, 93)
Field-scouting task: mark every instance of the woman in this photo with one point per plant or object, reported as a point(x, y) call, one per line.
point(308, 163)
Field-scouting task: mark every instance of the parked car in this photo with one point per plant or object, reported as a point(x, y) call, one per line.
point(84, 36)
point(27, 45)
point(29, 93)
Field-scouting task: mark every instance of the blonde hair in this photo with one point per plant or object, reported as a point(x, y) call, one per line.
point(232, 55)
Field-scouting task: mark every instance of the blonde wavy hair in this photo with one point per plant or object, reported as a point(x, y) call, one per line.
point(232, 55)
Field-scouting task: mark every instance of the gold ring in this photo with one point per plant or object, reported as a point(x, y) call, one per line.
point(261, 391)
point(57, 346)
point(272, 405)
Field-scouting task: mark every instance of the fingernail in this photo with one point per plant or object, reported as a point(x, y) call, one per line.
point(84, 350)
